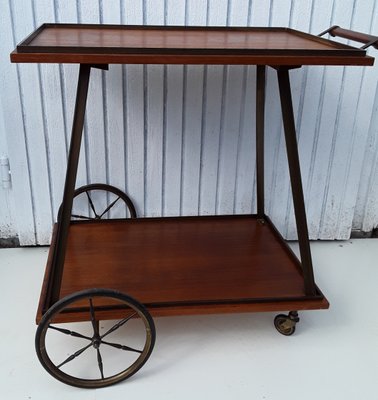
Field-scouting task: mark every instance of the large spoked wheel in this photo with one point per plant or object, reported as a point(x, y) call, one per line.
point(92, 354)
point(100, 201)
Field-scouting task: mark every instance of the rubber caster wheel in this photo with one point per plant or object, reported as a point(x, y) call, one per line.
point(285, 324)
point(79, 350)
point(100, 201)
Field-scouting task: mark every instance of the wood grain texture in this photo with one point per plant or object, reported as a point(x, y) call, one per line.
point(44, 297)
point(183, 262)
point(186, 59)
point(351, 191)
point(144, 38)
point(181, 259)
point(81, 42)
point(168, 310)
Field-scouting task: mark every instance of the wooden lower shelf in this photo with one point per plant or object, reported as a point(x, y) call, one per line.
point(186, 265)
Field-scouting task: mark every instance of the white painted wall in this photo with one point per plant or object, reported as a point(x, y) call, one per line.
point(180, 139)
point(8, 228)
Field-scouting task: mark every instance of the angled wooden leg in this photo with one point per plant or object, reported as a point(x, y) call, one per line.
point(260, 114)
point(69, 187)
point(295, 178)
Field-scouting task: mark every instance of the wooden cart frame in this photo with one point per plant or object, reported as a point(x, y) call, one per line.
point(185, 265)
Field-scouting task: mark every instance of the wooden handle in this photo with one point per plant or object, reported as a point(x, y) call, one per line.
point(369, 40)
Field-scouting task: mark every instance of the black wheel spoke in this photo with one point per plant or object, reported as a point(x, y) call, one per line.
point(68, 332)
point(117, 325)
point(100, 364)
point(81, 216)
point(80, 367)
point(91, 204)
point(109, 207)
point(122, 347)
point(93, 318)
point(74, 355)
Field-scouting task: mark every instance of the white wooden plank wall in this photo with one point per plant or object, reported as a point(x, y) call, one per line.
point(180, 139)
point(7, 226)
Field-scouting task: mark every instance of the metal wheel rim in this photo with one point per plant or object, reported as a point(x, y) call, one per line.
point(52, 369)
point(106, 188)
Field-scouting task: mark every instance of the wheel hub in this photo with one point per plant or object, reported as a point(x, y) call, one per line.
point(96, 341)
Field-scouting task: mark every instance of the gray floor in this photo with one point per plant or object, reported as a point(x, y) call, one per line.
point(333, 354)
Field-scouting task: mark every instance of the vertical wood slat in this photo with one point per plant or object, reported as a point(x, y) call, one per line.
point(68, 77)
point(346, 164)
point(280, 13)
point(7, 227)
point(369, 207)
point(95, 128)
point(245, 186)
point(215, 83)
point(345, 14)
point(230, 139)
point(344, 167)
point(366, 207)
point(366, 213)
point(113, 81)
point(34, 128)
point(155, 120)
point(135, 114)
point(174, 101)
point(134, 137)
point(17, 150)
point(196, 14)
point(313, 89)
point(50, 85)
point(300, 18)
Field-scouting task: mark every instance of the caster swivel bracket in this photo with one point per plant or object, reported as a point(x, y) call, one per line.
point(285, 324)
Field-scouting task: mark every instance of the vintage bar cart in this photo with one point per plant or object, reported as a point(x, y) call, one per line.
point(175, 265)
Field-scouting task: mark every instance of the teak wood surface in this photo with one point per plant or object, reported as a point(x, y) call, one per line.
point(119, 44)
point(186, 265)
point(183, 265)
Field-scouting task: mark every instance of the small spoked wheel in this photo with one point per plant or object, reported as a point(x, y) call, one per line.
point(100, 201)
point(285, 324)
point(91, 354)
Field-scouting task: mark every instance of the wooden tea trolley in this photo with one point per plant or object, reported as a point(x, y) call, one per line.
point(175, 265)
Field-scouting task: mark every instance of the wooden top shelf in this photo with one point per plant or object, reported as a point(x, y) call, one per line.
point(107, 44)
